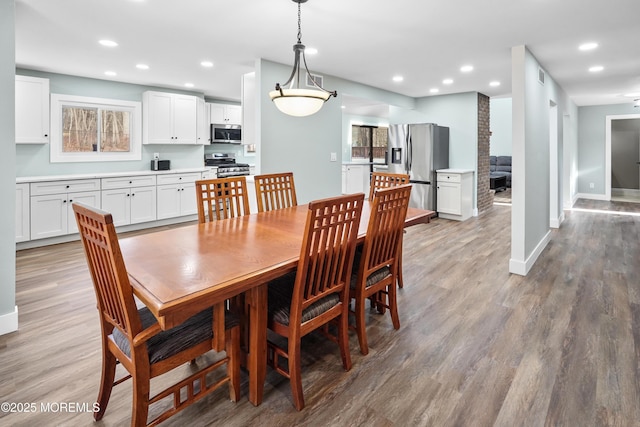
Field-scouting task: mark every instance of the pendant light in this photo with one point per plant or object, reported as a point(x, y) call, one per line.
point(290, 98)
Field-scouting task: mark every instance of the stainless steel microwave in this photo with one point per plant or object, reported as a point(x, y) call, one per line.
point(226, 134)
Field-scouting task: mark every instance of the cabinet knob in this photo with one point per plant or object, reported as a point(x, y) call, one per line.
point(133, 194)
point(67, 186)
point(127, 195)
point(46, 136)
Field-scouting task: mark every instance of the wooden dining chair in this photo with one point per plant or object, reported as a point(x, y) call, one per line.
point(385, 180)
point(221, 198)
point(275, 191)
point(376, 266)
point(317, 292)
point(133, 337)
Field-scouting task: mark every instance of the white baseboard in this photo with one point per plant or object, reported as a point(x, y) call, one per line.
point(9, 322)
point(522, 267)
point(555, 222)
point(625, 192)
point(591, 196)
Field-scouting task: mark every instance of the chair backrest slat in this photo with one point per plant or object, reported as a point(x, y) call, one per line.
point(327, 249)
point(275, 191)
point(222, 198)
point(106, 265)
point(381, 180)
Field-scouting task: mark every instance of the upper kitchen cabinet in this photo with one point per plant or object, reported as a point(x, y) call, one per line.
point(203, 122)
point(32, 110)
point(169, 118)
point(225, 114)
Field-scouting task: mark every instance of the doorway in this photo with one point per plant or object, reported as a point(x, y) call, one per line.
point(622, 180)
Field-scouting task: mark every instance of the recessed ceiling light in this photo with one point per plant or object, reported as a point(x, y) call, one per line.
point(434, 90)
point(398, 78)
point(588, 46)
point(447, 81)
point(207, 64)
point(142, 66)
point(466, 68)
point(494, 83)
point(596, 68)
point(310, 50)
point(110, 73)
point(343, 107)
point(188, 84)
point(108, 43)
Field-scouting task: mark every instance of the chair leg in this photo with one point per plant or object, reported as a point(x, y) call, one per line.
point(399, 264)
point(106, 382)
point(295, 377)
point(393, 306)
point(361, 327)
point(140, 409)
point(233, 366)
point(343, 340)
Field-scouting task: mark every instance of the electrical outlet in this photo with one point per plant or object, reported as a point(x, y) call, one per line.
point(156, 155)
point(592, 185)
point(334, 157)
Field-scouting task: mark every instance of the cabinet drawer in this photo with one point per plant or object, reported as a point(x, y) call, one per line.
point(178, 178)
point(128, 181)
point(448, 177)
point(69, 186)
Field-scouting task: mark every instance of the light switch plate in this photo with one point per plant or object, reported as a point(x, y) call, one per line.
point(334, 157)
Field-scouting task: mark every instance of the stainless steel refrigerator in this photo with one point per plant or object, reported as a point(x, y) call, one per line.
point(419, 150)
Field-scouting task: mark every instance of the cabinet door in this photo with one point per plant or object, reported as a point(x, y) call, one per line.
point(117, 202)
point(22, 212)
point(32, 110)
point(143, 204)
point(448, 198)
point(48, 216)
point(234, 114)
point(91, 198)
point(169, 201)
point(158, 120)
point(354, 179)
point(203, 122)
point(217, 114)
point(185, 119)
point(188, 202)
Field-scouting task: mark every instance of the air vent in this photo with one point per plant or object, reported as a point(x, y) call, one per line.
point(541, 76)
point(318, 79)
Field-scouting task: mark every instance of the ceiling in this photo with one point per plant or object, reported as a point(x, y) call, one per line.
point(367, 41)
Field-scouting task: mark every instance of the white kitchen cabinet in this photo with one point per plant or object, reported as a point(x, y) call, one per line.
point(210, 173)
point(130, 199)
point(51, 212)
point(455, 193)
point(177, 195)
point(355, 179)
point(169, 118)
point(22, 212)
point(203, 122)
point(225, 114)
point(32, 110)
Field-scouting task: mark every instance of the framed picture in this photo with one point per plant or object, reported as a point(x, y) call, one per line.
point(316, 78)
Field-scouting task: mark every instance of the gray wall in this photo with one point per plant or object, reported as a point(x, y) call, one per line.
point(625, 153)
point(501, 129)
point(8, 316)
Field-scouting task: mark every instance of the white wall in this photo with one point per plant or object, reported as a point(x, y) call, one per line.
point(531, 104)
point(8, 309)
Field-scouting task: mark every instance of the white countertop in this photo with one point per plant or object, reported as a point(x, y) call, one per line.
point(26, 179)
point(455, 171)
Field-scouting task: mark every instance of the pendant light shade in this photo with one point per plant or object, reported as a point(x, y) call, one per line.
point(290, 98)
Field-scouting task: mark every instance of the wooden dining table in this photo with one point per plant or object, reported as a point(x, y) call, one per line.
point(181, 271)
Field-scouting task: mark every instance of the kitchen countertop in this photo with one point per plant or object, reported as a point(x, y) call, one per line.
point(26, 179)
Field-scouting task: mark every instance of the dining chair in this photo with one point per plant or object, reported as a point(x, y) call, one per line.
point(221, 198)
point(385, 180)
point(275, 191)
point(133, 337)
point(317, 292)
point(376, 265)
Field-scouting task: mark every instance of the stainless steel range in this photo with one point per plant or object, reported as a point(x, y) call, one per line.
point(226, 165)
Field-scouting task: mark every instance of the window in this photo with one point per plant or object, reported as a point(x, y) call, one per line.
point(87, 129)
point(367, 140)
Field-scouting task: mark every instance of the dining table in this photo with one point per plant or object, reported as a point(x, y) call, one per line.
point(178, 272)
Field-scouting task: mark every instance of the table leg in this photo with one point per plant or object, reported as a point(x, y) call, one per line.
point(257, 361)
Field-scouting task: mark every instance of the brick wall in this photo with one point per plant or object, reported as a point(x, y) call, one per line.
point(485, 194)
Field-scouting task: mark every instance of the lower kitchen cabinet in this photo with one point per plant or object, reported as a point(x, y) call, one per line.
point(177, 195)
point(355, 178)
point(130, 200)
point(455, 194)
point(51, 213)
point(22, 212)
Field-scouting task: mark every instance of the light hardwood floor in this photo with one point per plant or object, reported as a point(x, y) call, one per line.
point(477, 346)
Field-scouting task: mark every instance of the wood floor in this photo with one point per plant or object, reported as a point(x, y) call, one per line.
point(477, 346)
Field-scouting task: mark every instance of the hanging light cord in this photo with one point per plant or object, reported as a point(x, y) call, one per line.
point(299, 27)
